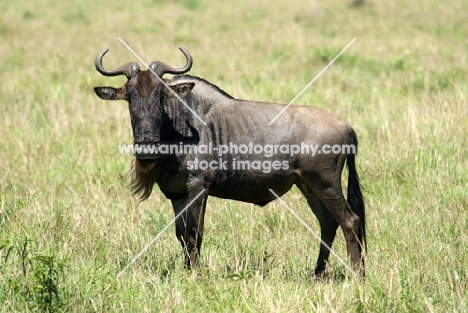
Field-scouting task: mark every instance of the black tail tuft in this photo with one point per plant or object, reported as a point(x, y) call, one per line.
point(355, 197)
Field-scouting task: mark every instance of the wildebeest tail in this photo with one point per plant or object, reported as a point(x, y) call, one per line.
point(355, 197)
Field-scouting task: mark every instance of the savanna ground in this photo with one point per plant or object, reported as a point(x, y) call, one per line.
point(68, 223)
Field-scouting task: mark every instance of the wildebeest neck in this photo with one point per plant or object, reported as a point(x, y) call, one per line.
point(181, 120)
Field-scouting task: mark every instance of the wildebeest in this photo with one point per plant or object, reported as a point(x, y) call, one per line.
point(159, 118)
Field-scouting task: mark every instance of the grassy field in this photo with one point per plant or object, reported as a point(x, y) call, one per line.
point(68, 223)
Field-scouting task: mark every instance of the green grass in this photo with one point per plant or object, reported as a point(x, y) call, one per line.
point(68, 223)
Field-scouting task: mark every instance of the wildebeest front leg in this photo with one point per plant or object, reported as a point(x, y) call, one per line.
point(189, 227)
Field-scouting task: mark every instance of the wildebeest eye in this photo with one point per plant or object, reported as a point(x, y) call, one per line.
point(107, 92)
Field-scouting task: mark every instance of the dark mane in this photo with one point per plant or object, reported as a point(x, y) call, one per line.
point(189, 77)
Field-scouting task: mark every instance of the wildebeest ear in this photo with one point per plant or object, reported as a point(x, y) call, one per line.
point(181, 89)
point(109, 93)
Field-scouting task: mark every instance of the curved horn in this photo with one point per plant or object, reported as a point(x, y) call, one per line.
point(160, 68)
point(129, 69)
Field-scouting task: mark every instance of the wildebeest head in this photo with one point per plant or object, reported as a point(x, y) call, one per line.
point(145, 94)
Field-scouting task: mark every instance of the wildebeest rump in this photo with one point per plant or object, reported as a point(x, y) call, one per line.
point(159, 118)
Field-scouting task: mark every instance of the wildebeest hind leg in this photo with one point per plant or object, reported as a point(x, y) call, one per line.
point(328, 226)
point(333, 198)
point(189, 227)
point(348, 220)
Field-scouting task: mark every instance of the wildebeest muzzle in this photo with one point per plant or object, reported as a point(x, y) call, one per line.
point(146, 146)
